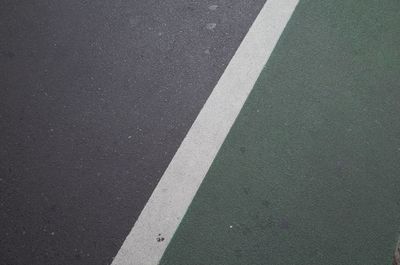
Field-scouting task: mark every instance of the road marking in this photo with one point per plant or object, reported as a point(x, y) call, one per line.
point(166, 207)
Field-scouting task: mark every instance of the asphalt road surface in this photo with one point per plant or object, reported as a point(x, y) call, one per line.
point(96, 97)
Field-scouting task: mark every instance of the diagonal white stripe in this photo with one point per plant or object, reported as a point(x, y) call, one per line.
point(177, 187)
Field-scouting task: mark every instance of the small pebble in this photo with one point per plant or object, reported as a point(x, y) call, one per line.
point(213, 7)
point(211, 26)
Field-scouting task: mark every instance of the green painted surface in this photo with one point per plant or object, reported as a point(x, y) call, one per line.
point(310, 172)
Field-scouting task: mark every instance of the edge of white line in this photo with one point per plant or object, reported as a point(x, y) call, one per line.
point(175, 191)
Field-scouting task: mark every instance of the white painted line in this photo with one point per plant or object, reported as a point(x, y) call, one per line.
point(177, 187)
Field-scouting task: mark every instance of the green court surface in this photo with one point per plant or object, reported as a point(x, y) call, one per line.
point(309, 173)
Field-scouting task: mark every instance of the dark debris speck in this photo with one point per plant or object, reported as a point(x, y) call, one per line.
point(160, 238)
point(265, 203)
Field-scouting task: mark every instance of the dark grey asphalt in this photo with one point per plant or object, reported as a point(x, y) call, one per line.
point(95, 98)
